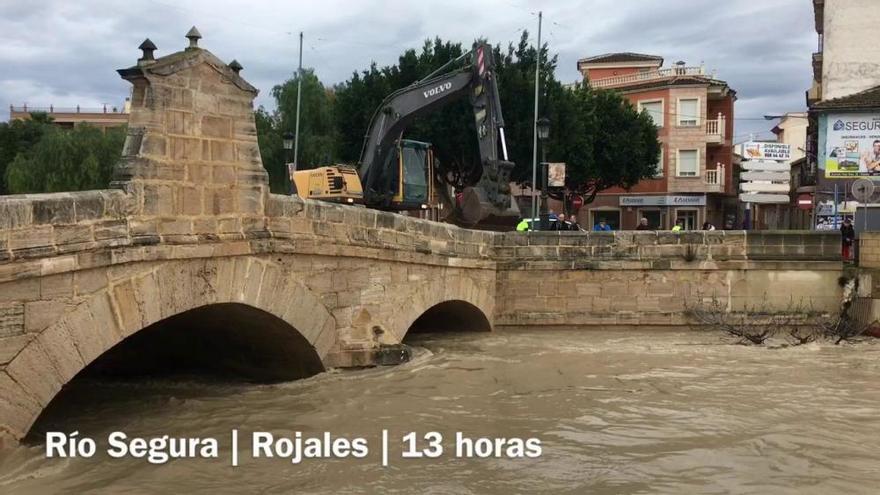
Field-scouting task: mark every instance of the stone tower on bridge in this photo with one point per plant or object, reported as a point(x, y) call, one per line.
point(191, 158)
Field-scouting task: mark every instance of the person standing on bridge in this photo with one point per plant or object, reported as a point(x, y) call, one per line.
point(601, 226)
point(847, 237)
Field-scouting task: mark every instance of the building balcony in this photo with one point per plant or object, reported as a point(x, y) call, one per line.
point(648, 76)
point(714, 179)
point(715, 130)
point(710, 181)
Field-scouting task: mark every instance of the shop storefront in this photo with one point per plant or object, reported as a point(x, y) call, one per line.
point(624, 212)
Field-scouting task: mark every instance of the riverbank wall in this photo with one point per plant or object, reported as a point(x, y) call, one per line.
point(607, 279)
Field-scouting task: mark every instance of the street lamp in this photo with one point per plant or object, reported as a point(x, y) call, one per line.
point(543, 134)
point(287, 141)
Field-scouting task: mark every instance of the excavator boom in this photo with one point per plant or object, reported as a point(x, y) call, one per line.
point(483, 191)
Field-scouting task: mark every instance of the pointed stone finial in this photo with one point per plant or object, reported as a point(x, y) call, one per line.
point(147, 47)
point(235, 66)
point(193, 36)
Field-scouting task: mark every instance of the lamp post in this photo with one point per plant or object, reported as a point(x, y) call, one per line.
point(543, 134)
point(287, 141)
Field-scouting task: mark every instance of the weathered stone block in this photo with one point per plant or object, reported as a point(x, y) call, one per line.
point(191, 197)
point(61, 352)
point(154, 146)
point(221, 151)
point(18, 408)
point(250, 200)
point(73, 234)
point(175, 227)
point(222, 200)
point(88, 206)
point(111, 229)
point(53, 209)
point(11, 319)
point(33, 237)
point(158, 200)
point(178, 122)
point(220, 127)
point(15, 213)
point(185, 148)
point(32, 370)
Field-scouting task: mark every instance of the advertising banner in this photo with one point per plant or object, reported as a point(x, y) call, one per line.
point(766, 151)
point(852, 145)
point(556, 174)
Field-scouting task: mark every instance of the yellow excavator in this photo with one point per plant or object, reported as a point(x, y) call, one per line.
point(398, 174)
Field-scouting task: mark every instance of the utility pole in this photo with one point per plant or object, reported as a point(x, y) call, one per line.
point(299, 84)
point(535, 127)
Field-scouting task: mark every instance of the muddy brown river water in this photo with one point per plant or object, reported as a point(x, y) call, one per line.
point(615, 412)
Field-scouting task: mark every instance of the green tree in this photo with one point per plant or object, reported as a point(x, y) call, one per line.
point(317, 132)
point(18, 136)
point(604, 141)
point(624, 144)
point(66, 160)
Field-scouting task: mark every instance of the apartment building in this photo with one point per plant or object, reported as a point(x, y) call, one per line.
point(70, 117)
point(844, 100)
point(693, 111)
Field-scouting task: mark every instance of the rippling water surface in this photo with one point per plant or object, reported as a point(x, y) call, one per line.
point(617, 412)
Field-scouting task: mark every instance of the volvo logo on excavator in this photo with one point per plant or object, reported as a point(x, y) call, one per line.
point(439, 89)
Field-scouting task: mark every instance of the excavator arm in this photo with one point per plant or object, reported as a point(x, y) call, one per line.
point(483, 192)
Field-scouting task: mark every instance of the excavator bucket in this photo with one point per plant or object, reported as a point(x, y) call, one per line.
point(489, 204)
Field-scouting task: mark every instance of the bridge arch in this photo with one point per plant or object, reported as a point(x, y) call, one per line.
point(463, 304)
point(451, 316)
point(241, 288)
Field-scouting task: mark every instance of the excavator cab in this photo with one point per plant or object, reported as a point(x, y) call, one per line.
point(413, 175)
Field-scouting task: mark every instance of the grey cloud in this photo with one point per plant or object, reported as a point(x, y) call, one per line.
point(66, 53)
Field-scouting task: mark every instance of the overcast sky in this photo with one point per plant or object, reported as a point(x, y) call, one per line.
point(65, 52)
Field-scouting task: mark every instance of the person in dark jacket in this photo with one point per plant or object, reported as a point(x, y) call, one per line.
point(643, 224)
point(561, 224)
point(847, 237)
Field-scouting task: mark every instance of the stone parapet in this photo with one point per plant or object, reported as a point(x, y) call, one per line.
point(46, 225)
point(693, 246)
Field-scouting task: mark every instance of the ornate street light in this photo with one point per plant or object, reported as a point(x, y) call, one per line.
point(287, 141)
point(543, 134)
point(543, 128)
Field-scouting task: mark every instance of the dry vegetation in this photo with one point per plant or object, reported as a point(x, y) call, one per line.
point(797, 324)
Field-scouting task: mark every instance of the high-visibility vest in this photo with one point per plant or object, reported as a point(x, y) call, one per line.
point(522, 226)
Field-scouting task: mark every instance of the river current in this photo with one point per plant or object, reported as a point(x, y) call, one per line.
point(615, 412)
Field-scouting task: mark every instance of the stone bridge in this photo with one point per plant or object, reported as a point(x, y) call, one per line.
point(189, 261)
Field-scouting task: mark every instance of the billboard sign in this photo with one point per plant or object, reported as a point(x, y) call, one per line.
point(766, 151)
point(852, 145)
